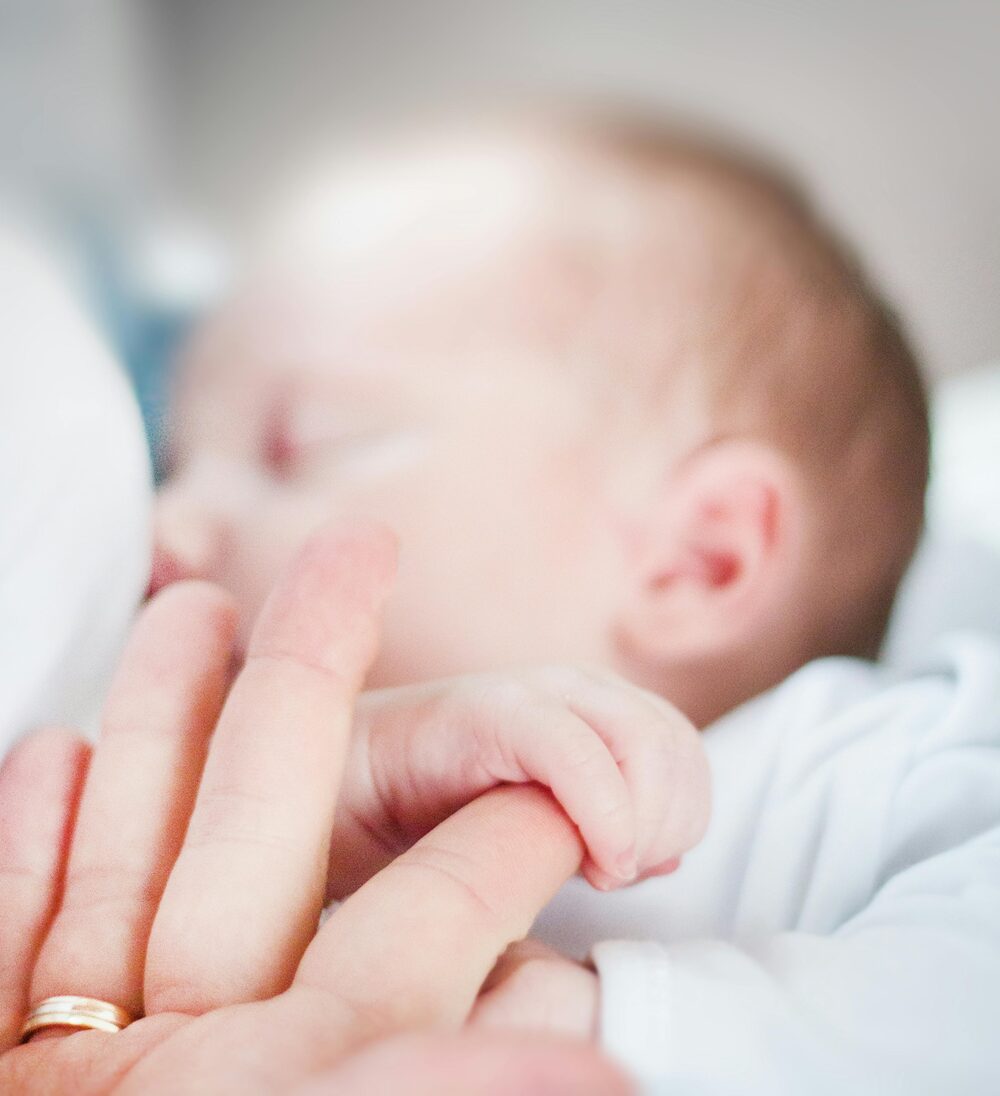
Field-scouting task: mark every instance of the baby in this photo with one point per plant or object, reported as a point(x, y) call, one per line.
point(628, 403)
point(622, 396)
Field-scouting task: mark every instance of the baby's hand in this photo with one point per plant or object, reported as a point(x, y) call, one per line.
point(625, 765)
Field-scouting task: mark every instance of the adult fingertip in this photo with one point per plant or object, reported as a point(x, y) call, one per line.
point(192, 602)
point(188, 628)
point(361, 548)
point(44, 756)
point(325, 609)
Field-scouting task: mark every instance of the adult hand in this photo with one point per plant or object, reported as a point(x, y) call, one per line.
point(190, 887)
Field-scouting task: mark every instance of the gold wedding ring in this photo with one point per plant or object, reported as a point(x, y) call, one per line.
point(82, 1013)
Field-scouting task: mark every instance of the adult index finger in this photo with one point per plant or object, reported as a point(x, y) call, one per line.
point(411, 948)
point(245, 894)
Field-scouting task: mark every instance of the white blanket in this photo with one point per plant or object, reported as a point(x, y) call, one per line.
point(74, 501)
point(838, 930)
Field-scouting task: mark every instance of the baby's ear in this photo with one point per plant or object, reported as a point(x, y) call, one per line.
point(718, 556)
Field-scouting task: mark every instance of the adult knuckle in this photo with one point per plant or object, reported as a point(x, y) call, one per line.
point(232, 815)
point(298, 667)
point(364, 1013)
point(454, 873)
point(168, 989)
point(95, 886)
point(23, 878)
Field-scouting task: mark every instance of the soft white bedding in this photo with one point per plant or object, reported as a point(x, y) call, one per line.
point(964, 497)
point(954, 583)
point(74, 501)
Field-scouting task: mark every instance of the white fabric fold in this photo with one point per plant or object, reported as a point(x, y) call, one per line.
point(75, 495)
point(839, 928)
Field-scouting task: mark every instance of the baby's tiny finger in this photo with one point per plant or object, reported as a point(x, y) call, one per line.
point(660, 757)
point(601, 880)
point(583, 775)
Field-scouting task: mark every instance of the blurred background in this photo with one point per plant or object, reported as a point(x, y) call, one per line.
point(146, 134)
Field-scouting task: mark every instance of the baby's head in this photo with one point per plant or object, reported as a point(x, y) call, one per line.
point(621, 394)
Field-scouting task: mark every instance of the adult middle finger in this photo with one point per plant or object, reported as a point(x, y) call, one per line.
point(245, 894)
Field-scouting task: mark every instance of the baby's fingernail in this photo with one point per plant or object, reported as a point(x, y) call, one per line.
point(665, 867)
point(627, 866)
point(600, 879)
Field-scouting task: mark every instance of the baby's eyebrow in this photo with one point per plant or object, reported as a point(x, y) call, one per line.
point(355, 385)
point(329, 394)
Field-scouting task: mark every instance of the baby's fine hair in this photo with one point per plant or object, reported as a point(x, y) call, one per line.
point(688, 276)
point(749, 302)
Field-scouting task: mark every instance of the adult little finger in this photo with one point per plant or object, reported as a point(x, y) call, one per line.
point(40, 783)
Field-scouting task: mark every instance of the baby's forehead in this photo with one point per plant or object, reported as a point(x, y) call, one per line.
point(308, 335)
point(444, 199)
point(455, 200)
point(446, 249)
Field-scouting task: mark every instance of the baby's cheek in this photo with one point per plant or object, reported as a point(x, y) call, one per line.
point(267, 536)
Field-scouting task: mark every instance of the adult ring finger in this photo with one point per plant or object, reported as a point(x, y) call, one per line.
point(81, 1013)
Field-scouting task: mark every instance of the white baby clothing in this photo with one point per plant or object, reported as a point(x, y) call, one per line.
point(838, 930)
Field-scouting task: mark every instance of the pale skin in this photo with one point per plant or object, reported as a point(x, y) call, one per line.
point(316, 437)
point(627, 767)
point(547, 520)
point(180, 870)
point(549, 513)
point(492, 472)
